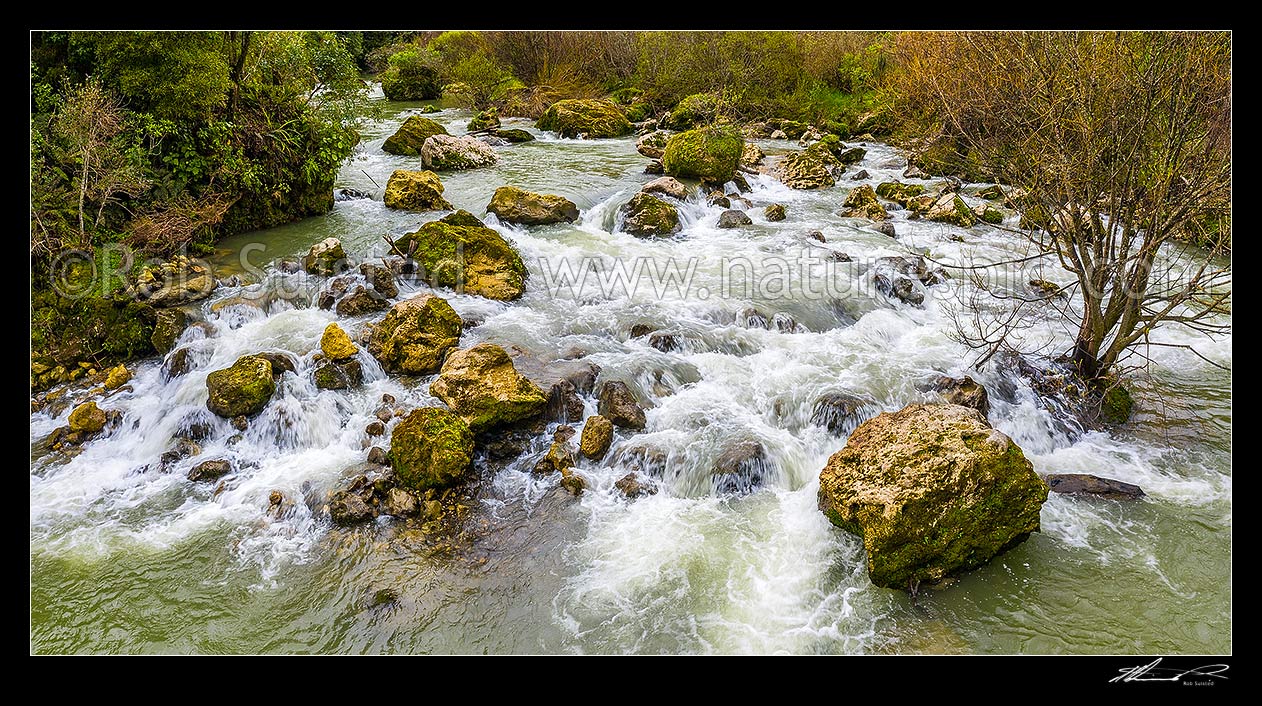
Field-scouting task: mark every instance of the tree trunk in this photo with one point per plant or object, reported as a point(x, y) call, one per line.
point(238, 67)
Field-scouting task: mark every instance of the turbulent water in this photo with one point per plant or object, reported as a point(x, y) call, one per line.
point(126, 559)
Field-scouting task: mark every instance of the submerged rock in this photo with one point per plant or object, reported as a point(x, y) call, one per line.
point(514, 205)
point(416, 335)
point(596, 438)
point(410, 138)
point(430, 448)
point(619, 406)
point(709, 154)
point(415, 191)
point(243, 389)
point(590, 118)
point(1087, 484)
point(447, 153)
point(459, 251)
point(648, 216)
point(482, 386)
point(861, 202)
point(933, 490)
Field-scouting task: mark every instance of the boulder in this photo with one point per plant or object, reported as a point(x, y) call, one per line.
point(1086, 484)
point(176, 363)
point(513, 135)
point(964, 391)
point(489, 118)
point(410, 138)
point(415, 191)
point(840, 412)
point(400, 503)
point(933, 490)
point(381, 279)
point(740, 468)
point(950, 208)
point(210, 470)
point(669, 186)
point(861, 203)
point(590, 118)
point(361, 301)
point(167, 327)
point(899, 192)
point(665, 342)
point(752, 155)
point(447, 153)
point(804, 170)
point(631, 486)
point(415, 336)
point(774, 212)
point(619, 406)
point(900, 288)
point(860, 175)
point(87, 418)
point(482, 386)
point(734, 218)
point(243, 389)
point(513, 205)
point(572, 481)
point(851, 155)
point(430, 448)
point(378, 456)
point(325, 258)
point(646, 215)
point(560, 456)
point(348, 508)
point(885, 228)
point(116, 377)
point(596, 438)
point(708, 154)
point(652, 145)
point(459, 251)
point(333, 375)
point(336, 345)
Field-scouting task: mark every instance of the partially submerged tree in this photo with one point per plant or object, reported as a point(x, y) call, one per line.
point(1120, 145)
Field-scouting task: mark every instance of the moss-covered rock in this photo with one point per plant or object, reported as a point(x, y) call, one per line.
point(596, 438)
point(87, 418)
point(335, 344)
point(696, 109)
point(339, 375)
point(326, 258)
point(93, 329)
point(415, 191)
point(411, 136)
point(489, 118)
point(430, 448)
point(167, 327)
point(416, 335)
point(459, 251)
point(990, 214)
point(513, 135)
point(899, 192)
point(646, 215)
point(1116, 404)
point(412, 81)
point(652, 145)
point(774, 212)
point(861, 202)
point(804, 170)
point(481, 385)
point(117, 376)
point(592, 118)
point(709, 154)
point(513, 205)
point(933, 490)
point(752, 155)
point(243, 389)
point(950, 208)
point(447, 153)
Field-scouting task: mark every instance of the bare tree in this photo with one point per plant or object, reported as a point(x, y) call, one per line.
point(1120, 144)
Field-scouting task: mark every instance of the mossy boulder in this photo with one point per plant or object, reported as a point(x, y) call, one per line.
point(990, 214)
point(807, 169)
point(861, 202)
point(415, 191)
point(933, 490)
point(447, 153)
point(410, 81)
point(459, 251)
point(513, 135)
point(481, 385)
point(596, 438)
point(339, 375)
point(243, 389)
point(430, 448)
point(708, 154)
point(1116, 404)
point(899, 192)
point(774, 212)
point(87, 418)
point(411, 136)
point(696, 109)
point(489, 118)
point(592, 118)
point(167, 327)
point(326, 257)
point(416, 335)
point(950, 208)
point(513, 205)
point(116, 377)
point(335, 344)
point(646, 216)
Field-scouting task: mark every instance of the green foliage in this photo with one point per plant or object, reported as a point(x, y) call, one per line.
point(412, 74)
point(176, 75)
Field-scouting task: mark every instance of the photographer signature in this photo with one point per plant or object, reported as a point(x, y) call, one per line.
point(1150, 672)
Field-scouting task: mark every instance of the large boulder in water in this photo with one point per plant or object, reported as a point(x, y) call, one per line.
point(416, 335)
point(589, 118)
point(933, 490)
point(411, 136)
point(899, 192)
point(481, 385)
point(708, 154)
point(444, 152)
point(514, 205)
point(596, 438)
point(804, 170)
point(862, 203)
point(430, 448)
point(618, 405)
point(415, 191)
point(950, 208)
point(646, 215)
point(243, 389)
point(653, 145)
point(335, 344)
point(459, 251)
point(325, 258)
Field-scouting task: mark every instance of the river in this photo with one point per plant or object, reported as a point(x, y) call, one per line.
point(125, 560)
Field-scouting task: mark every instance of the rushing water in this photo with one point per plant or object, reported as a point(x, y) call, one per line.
point(128, 559)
